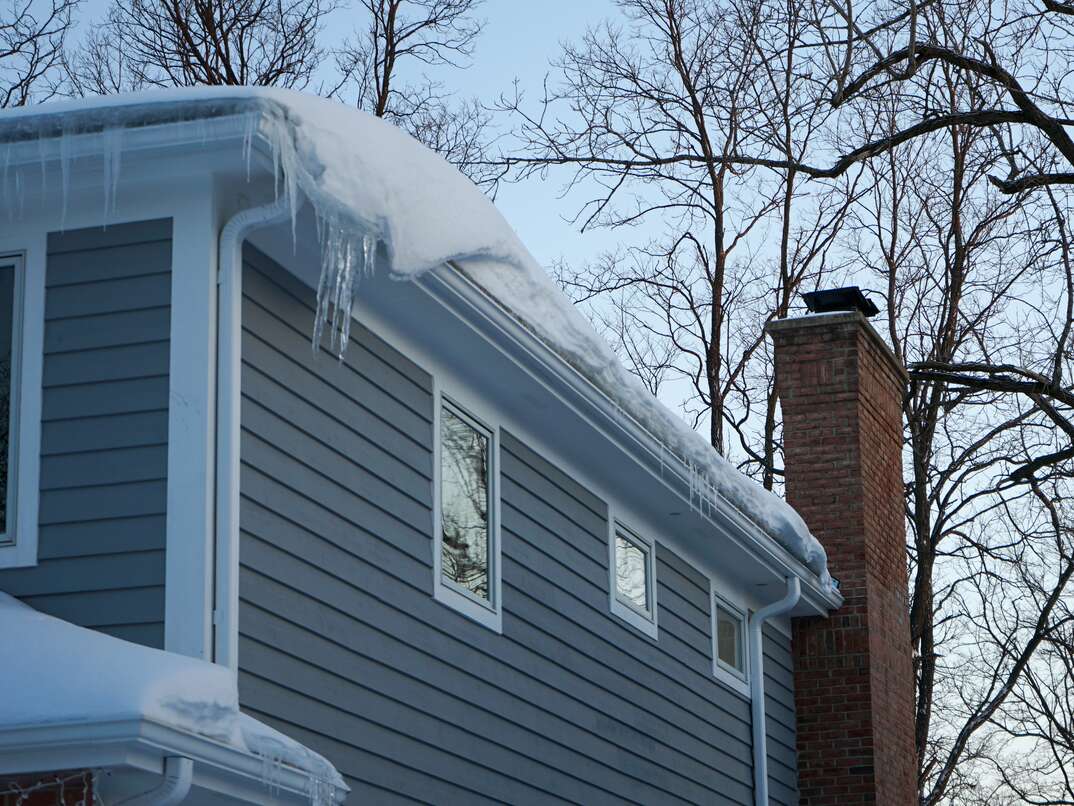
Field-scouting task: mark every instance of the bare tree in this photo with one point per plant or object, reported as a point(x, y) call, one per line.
point(377, 70)
point(32, 39)
point(687, 76)
point(159, 43)
point(712, 119)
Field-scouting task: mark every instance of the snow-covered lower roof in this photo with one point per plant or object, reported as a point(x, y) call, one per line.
point(378, 191)
point(58, 673)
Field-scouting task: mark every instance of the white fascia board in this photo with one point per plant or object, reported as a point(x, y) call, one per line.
point(140, 745)
point(466, 299)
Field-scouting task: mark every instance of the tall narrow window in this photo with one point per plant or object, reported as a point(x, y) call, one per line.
point(464, 507)
point(8, 391)
point(467, 540)
point(632, 579)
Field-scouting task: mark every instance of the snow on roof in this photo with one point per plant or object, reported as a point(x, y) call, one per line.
point(60, 673)
point(372, 184)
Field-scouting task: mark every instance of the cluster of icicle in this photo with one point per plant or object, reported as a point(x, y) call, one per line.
point(348, 248)
point(319, 790)
point(348, 252)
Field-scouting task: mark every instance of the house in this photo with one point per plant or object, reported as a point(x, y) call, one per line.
point(455, 550)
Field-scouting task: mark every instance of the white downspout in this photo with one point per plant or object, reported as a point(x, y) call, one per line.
point(228, 407)
point(173, 789)
point(760, 736)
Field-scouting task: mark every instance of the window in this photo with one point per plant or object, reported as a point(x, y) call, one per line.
point(10, 286)
point(632, 571)
point(466, 561)
point(729, 643)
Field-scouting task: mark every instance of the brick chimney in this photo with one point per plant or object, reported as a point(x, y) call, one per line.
point(840, 388)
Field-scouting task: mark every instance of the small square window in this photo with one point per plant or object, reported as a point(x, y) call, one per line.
point(632, 579)
point(730, 660)
point(632, 574)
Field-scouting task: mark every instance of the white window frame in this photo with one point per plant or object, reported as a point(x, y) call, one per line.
point(490, 613)
point(18, 544)
point(732, 677)
point(644, 622)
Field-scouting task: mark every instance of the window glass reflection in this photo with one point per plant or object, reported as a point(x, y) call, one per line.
point(464, 504)
point(631, 573)
point(729, 638)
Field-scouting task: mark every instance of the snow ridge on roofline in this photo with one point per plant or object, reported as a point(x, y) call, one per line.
point(370, 184)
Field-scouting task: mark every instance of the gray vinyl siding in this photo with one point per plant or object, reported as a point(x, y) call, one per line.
point(342, 646)
point(104, 432)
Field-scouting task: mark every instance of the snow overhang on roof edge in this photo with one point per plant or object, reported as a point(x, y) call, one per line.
point(392, 189)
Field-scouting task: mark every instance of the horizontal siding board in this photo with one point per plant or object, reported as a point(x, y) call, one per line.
point(115, 398)
point(101, 572)
point(115, 607)
point(92, 468)
point(105, 397)
point(106, 364)
point(106, 330)
point(113, 536)
point(107, 301)
point(106, 501)
point(119, 237)
point(104, 432)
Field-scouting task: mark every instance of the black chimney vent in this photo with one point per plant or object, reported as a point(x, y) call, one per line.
point(840, 299)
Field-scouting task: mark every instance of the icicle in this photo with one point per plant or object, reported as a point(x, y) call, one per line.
point(65, 175)
point(112, 151)
point(43, 161)
point(248, 143)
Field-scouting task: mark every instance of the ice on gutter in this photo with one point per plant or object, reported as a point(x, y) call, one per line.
point(381, 196)
point(66, 674)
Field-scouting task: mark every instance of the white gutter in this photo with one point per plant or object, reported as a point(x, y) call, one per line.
point(178, 775)
point(760, 735)
point(228, 407)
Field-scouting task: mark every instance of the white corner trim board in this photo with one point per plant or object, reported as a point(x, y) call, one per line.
point(188, 589)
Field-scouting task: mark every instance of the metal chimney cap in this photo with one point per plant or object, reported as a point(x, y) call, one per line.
point(849, 298)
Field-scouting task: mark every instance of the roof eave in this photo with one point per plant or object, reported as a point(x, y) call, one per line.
point(142, 745)
point(454, 290)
